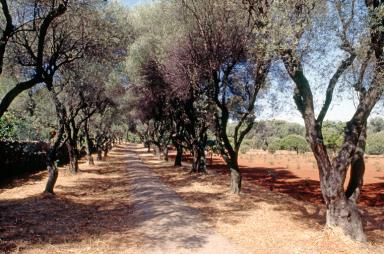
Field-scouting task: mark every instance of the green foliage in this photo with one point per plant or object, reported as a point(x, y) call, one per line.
point(265, 132)
point(274, 145)
point(8, 127)
point(294, 142)
point(212, 146)
point(15, 126)
point(291, 142)
point(375, 143)
point(333, 133)
point(246, 145)
point(376, 125)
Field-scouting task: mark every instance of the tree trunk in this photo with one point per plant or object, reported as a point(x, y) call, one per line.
point(201, 165)
point(165, 153)
point(179, 156)
point(90, 158)
point(236, 179)
point(99, 153)
point(199, 162)
point(105, 154)
point(194, 161)
point(89, 145)
point(157, 151)
point(51, 163)
point(73, 163)
point(343, 213)
point(357, 167)
point(52, 177)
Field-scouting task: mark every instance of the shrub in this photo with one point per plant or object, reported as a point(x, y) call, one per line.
point(375, 143)
point(333, 133)
point(244, 148)
point(7, 127)
point(294, 142)
point(274, 145)
point(25, 157)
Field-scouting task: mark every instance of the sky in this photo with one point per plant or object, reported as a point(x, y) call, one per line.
point(130, 2)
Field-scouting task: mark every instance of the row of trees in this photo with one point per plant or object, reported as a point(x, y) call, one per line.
point(197, 69)
point(57, 60)
point(198, 66)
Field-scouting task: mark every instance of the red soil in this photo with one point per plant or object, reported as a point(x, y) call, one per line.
point(298, 178)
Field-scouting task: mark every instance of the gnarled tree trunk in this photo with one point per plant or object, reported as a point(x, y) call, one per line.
point(73, 162)
point(89, 144)
point(51, 163)
point(53, 174)
point(199, 160)
point(343, 213)
point(179, 156)
point(165, 153)
point(342, 210)
point(99, 153)
point(236, 177)
point(105, 154)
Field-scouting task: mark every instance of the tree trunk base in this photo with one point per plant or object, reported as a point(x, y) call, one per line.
point(74, 166)
point(99, 156)
point(165, 154)
point(91, 162)
point(345, 215)
point(235, 182)
point(53, 173)
point(179, 157)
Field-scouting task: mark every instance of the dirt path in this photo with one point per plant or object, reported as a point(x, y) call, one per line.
point(122, 205)
point(164, 221)
point(117, 206)
point(260, 220)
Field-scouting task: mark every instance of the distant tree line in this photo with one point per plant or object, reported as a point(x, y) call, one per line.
point(273, 135)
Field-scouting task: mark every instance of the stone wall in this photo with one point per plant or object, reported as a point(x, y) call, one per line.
point(25, 157)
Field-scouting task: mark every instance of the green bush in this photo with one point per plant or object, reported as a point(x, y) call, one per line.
point(274, 145)
point(333, 133)
point(375, 143)
point(294, 142)
point(244, 148)
point(8, 127)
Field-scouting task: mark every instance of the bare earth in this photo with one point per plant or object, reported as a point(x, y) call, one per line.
point(262, 220)
point(90, 213)
point(124, 206)
point(117, 206)
point(165, 223)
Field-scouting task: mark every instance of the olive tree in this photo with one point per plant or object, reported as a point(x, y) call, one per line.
point(232, 72)
point(297, 48)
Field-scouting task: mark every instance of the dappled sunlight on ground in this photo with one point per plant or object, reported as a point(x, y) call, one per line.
point(264, 218)
point(121, 206)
